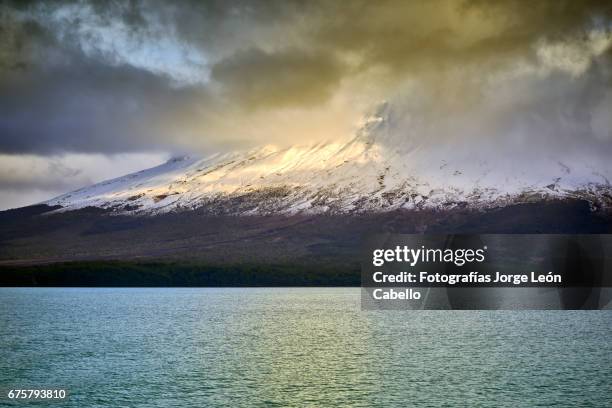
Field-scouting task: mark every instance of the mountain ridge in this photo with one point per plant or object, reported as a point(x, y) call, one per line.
point(375, 171)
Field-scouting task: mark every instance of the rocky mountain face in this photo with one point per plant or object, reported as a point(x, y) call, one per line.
point(379, 170)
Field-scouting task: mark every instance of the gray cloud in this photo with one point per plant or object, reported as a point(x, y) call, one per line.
point(26, 173)
point(91, 108)
point(92, 77)
point(259, 79)
point(27, 179)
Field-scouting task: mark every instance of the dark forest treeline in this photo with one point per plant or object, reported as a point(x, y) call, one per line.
point(110, 273)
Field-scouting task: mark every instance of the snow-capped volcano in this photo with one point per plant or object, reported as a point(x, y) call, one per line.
point(377, 170)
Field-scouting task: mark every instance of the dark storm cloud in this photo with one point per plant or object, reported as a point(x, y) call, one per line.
point(104, 76)
point(259, 79)
point(408, 36)
point(90, 108)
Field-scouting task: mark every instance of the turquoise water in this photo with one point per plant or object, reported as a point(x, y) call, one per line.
point(205, 347)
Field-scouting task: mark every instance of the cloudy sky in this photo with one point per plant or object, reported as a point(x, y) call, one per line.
point(95, 89)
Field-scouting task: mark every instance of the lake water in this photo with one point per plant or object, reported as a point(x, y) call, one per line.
point(205, 347)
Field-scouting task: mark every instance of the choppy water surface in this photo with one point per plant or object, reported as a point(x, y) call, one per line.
point(207, 347)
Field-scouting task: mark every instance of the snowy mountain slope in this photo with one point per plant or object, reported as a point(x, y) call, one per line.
point(374, 171)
